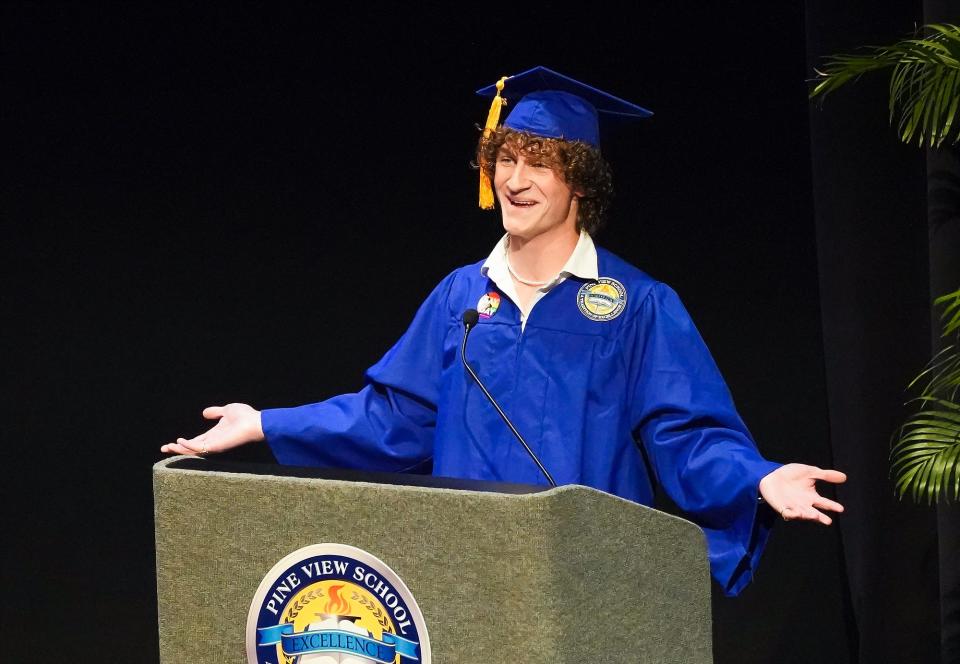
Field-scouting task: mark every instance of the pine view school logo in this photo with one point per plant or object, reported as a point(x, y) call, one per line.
point(335, 604)
point(603, 299)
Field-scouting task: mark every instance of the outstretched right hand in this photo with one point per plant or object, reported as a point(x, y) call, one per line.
point(238, 424)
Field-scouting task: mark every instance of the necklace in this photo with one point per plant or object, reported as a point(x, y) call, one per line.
point(527, 282)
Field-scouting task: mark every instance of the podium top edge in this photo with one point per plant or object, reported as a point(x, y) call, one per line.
point(213, 465)
point(264, 471)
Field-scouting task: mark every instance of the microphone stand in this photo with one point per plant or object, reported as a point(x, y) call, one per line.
point(470, 318)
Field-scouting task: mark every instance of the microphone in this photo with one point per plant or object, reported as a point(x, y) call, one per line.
point(470, 318)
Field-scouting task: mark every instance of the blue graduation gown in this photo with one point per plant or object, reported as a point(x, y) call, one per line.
point(603, 403)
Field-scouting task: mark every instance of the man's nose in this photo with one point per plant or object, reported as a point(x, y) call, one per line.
point(518, 180)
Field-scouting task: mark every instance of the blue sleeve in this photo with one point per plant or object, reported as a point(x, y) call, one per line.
point(386, 426)
point(701, 451)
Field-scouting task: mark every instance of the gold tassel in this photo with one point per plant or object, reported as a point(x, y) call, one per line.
point(493, 118)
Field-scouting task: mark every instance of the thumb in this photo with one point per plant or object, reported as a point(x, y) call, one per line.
point(833, 476)
point(213, 412)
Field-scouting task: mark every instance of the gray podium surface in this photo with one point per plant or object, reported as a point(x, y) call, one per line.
point(565, 575)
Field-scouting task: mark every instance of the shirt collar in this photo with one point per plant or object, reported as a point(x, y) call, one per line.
point(582, 263)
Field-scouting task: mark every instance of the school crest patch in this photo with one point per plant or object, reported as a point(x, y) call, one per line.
point(602, 300)
point(333, 602)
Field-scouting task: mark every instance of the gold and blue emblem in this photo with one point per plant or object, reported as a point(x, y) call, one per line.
point(328, 602)
point(602, 300)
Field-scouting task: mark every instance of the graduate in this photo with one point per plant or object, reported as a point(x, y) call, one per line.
point(596, 363)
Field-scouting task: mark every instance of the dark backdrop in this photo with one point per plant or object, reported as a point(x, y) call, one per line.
point(205, 205)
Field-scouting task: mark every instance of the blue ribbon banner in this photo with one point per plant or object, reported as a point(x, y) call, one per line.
point(335, 640)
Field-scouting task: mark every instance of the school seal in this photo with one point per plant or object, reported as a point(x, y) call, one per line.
point(334, 603)
point(602, 300)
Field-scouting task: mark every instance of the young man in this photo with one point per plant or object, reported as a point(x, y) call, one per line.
point(598, 365)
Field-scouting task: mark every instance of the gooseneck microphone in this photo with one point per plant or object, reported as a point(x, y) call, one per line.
point(470, 318)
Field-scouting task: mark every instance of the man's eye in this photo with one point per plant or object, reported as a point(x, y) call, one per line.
point(539, 164)
point(506, 160)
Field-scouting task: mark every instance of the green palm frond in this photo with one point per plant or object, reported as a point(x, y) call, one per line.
point(951, 312)
point(925, 456)
point(924, 82)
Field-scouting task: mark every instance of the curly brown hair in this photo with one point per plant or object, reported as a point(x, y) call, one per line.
point(580, 165)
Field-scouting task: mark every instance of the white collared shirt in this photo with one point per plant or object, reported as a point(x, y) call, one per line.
point(582, 263)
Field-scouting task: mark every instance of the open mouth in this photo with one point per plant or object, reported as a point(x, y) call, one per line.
point(520, 203)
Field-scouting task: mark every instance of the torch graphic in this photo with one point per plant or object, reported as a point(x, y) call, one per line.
point(335, 616)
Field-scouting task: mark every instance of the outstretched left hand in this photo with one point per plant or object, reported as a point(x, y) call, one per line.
point(791, 490)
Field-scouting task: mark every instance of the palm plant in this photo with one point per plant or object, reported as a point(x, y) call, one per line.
point(924, 83)
point(924, 100)
point(926, 448)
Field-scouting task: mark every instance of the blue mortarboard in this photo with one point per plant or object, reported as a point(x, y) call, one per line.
point(546, 103)
point(549, 104)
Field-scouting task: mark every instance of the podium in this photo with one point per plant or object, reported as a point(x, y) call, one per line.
point(501, 573)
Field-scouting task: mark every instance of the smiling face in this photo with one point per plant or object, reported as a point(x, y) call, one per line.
point(579, 165)
point(534, 198)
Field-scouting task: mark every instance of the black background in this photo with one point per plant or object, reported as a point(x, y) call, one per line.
point(204, 205)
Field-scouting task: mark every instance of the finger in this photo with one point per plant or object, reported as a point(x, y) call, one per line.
point(819, 516)
point(213, 412)
point(811, 514)
point(173, 448)
point(176, 448)
point(789, 514)
point(832, 476)
point(194, 445)
point(827, 504)
point(202, 444)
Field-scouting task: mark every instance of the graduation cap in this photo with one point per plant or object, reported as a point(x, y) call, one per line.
point(553, 106)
